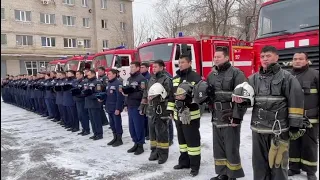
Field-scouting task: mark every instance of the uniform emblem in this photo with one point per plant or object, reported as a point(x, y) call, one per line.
point(99, 87)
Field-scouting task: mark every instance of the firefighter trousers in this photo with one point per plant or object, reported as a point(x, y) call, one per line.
point(159, 137)
point(261, 144)
point(303, 152)
point(189, 144)
point(226, 144)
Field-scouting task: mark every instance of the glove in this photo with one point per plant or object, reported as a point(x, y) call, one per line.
point(101, 96)
point(294, 135)
point(128, 89)
point(211, 91)
point(282, 157)
point(75, 91)
point(87, 92)
point(143, 108)
point(57, 88)
point(185, 116)
point(67, 87)
point(272, 153)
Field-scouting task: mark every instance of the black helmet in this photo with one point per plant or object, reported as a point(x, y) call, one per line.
point(185, 89)
point(200, 92)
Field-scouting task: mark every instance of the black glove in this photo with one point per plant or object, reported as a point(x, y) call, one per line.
point(128, 89)
point(87, 92)
point(75, 91)
point(67, 87)
point(211, 92)
point(57, 88)
point(101, 95)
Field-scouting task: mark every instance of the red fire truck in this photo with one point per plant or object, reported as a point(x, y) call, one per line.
point(200, 51)
point(56, 65)
point(79, 62)
point(291, 26)
point(119, 58)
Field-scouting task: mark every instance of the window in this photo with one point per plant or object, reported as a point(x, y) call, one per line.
point(68, 20)
point(48, 41)
point(104, 24)
point(43, 65)
point(105, 43)
point(24, 16)
point(24, 40)
point(85, 22)
point(84, 3)
point(69, 42)
point(122, 8)
point(31, 67)
point(123, 26)
point(87, 43)
point(2, 14)
point(47, 18)
point(68, 2)
point(103, 4)
point(3, 39)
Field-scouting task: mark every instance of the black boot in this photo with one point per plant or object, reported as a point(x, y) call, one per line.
point(194, 173)
point(220, 177)
point(153, 155)
point(311, 176)
point(139, 150)
point(293, 172)
point(133, 149)
point(118, 141)
point(181, 167)
point(113, 140)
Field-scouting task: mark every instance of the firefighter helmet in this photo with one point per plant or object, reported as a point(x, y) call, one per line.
point(200, 92)
point(244, 91)
point(157, 89)
point(184, 89)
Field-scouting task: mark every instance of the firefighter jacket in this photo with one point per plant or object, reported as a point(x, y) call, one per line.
point(134, 98)
point(67, 95)
point(187, 75)
point(49, 94)
point(103, 79)
point(114, 99)
point(309, 81)
point(278, 101)
point(90, 88)
point(165, 80)
point(78, 84)
point(225, 78)
point(58, 90)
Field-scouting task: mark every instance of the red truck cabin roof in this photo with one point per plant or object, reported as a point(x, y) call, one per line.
point(182, 40)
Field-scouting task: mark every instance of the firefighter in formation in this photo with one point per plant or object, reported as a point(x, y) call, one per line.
point(284, 122)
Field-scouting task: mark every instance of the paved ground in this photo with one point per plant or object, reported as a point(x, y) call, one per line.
point(34, 148)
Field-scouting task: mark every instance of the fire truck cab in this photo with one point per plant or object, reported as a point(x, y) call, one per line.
point(78, 62)
point(200, 52)
point(118, 58)
point(291, 26)
point(56, 65)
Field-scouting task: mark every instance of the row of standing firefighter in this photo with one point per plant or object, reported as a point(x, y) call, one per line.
point(285, 109)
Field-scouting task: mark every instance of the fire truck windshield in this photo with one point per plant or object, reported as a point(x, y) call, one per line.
point(103, 60)
point(72, 65)
point(154, 52)
point(288, 17)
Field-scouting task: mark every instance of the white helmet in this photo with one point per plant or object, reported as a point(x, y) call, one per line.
point(157, 89)
point(245, 91)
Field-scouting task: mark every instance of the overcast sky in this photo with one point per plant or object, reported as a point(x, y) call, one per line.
point(143, 8)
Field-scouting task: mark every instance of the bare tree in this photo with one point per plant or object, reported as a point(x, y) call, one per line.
point(171, 18)
point(142, 31)
point(247, 17)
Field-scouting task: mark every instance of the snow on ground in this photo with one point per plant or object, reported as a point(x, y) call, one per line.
point(34, 148)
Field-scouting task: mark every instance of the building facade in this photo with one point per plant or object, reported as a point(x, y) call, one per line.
point(34, 32)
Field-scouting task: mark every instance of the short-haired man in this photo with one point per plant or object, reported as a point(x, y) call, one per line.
point(188, 134)
point(158, 116)
point(226, 116)
point(303, 152)
point(144, 69)
point(102, 77)
point(134, 93)
point(277, 110)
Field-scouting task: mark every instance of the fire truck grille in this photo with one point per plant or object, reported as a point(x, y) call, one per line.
point(286, 55)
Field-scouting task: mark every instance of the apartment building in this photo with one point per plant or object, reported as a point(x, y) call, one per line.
point(34, 32)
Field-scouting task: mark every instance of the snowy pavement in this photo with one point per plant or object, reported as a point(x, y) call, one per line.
point(35, 148)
